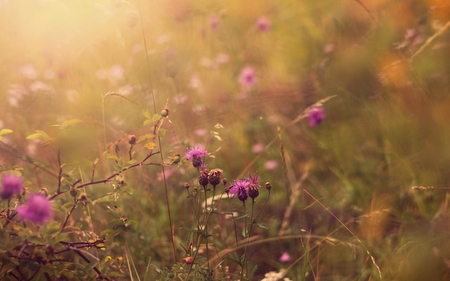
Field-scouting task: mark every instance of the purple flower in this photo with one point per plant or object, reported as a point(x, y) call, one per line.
point(247, 78)
point(246, 187)
point(38, 209)
point(263, 24)
point(11, 185)
point(196, 153)
point(316, 116)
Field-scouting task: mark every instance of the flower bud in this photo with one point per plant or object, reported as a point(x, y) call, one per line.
point(132, 139)
point(268, 186)
point(186, 185)
point(214, 176)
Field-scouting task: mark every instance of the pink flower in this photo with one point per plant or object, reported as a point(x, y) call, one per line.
point(247, 78)
point(263, 24)
point(214, 23)
point(11, 185)
point(285, 257)
point(38, 209)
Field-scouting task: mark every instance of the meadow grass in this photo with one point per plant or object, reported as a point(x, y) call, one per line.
point(109, 108)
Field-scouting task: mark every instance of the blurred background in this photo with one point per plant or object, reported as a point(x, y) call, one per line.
point(386, 130)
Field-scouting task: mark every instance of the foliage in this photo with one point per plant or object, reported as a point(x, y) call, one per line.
point(128, 116)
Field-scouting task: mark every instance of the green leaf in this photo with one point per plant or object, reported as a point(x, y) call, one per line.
point(70, 123)
point(262, 225)
point(147, 114)
point(156, 117)
point(162, 132)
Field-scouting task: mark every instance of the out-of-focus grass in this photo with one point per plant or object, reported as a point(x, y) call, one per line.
point(386, 130)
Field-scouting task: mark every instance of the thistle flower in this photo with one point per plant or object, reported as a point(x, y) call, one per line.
point(203, 177)
point(247, 78)
point(11, 185)
point(214, 176)
point(316, 116)
point(196, 153)
point(38, 209)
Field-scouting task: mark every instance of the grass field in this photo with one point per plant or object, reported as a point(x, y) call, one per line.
point(329, 121)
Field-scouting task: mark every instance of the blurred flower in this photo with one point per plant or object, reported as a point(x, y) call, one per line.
point(117, 72)
point(271, 164)
point(258, 147)
point(316, 116)
point(328, 48)
point(247, 78)
point(214, 23)
point(195, 82)
point(11, 185)
point(38, 209)
point(263, 24)
point(28, 71)
point(200, 132)
point(196, 153)
point(222, 58)
point(285, 257)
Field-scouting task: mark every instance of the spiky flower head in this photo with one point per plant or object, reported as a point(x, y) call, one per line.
point(316, 116)
point(214, 176)
point(10, 185)
point(38, 209)
point(196, 153)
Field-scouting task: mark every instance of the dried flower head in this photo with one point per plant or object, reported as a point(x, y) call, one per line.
point(10, 185)
point(196, 153)
point(38, 209)
point(316, 116)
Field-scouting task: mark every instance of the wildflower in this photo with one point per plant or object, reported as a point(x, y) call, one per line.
point(38, 209)
point(285, 257)
point(316, 116)
point(239, 189)
point(196, 153)
point(268, 186)
point(253, 186)
point(214, 23)
point(214, 176)
point(11, 185)
point(263, 24)
point(203, 177)
point(247, 78)
point(271, 164)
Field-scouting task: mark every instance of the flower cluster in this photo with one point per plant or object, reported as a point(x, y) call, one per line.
point(38, 209)
point(10, 185)
point(245, 187)
point(196, 153)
